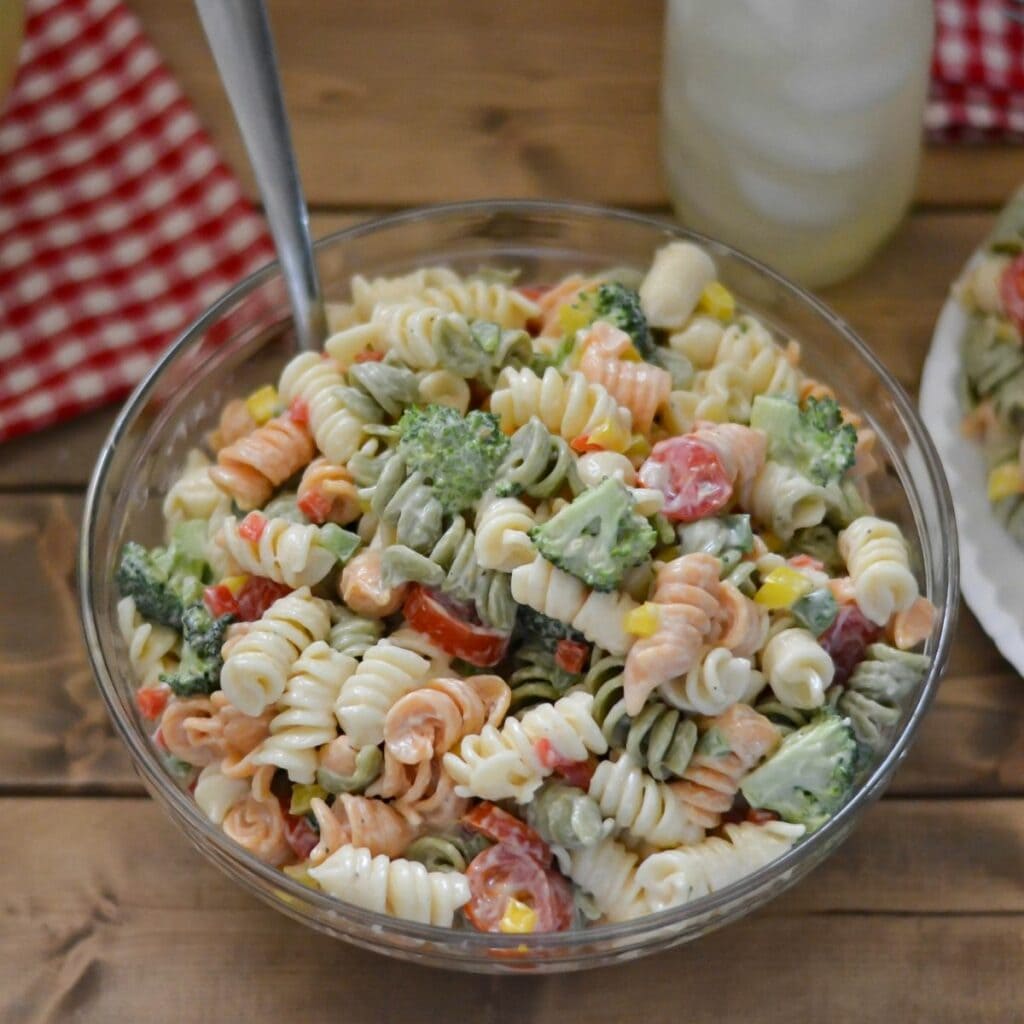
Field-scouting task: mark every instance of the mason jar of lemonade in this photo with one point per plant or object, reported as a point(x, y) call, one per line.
point(792, 128)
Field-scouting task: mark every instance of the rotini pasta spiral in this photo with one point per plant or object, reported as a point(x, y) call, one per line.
point(424, 794)
point(607, 872)
point(567, 405)
point(287, 552)
point(479, 350)
point(744, 625)
point(152, 649)
point(256, 667)
point(646, 808)
point(367, 293)
point(194, 495)
point(566, 816)
point(784, 500)
point(386, 673)
point(674, 877)
point(659, 738)
point(403, 500)
point(537, 464)
point(402, 888)
point(327, 494)
point(686, 596)
point(259, 827)
point(715, 683)
point(879, 565)
point(799, 670)
point(502, 764)
point(442, 387)
point(360, 821)
point(306, 712)
point(536, 678)
point(503, 533)
point(352, 634)
point(216, 793)
point(600, 617)
point(733, 744)
point(640, 387)
point(254, 465)
point(672, 286)
point(363, 589)
point(477, 299)
point(235, 422)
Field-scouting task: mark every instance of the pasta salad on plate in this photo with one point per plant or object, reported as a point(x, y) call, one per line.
point(527, 606)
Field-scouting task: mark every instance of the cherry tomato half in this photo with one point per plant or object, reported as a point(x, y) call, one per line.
point(502, 873)
point(847, 639)
point(491, 821)
point(1011, 291)
point(691, 476)
point(479, 645)
point(257, 596)
point(219, 601)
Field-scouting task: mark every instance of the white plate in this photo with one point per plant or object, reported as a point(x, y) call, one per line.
point(991, 562)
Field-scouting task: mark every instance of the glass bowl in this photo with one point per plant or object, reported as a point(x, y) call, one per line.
point(244, 340)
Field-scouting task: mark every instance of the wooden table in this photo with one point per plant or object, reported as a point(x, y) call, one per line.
point(108, 915)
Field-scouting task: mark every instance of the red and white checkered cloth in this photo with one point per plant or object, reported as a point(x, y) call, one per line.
point(118, 220)
point(977, 90)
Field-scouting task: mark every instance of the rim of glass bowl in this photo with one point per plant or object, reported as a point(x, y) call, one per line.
point(158, 779)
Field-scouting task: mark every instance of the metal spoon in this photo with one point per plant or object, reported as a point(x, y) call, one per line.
point(243, 48)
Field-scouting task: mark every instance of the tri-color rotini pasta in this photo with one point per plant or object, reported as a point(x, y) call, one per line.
point(524, 608)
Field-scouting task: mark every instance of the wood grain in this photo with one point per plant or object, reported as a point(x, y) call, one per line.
point(417, 101)
point(893, 311)
point(859, 940)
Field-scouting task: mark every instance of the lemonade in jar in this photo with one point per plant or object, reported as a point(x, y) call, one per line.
point(792, 128)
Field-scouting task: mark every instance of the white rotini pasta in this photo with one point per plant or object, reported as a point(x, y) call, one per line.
point(287, 552)
point(698, 341)
point(499, 764)
point(443, 387)
point(387, 672)
point(672, 287)
point(798, 669)
point(607, 871)
point(503, 533)
point(216, 793)
point(152, 649)
point(402, 888)
point(193, 495)
point(648, 809)
point(477, 299)
point(316, 380)
point(367, 293)
point(594, 467)
point(715, 683)
point(784, 500)
point(599, 616)
point(673, 877)
point(567, 405)
point(306, 719)
point(257, 665)
point(879, 565)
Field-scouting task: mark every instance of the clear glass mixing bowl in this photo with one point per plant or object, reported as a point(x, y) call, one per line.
point(244, 340)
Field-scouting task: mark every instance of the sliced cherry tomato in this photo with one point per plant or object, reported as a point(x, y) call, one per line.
point(502, 827)
point(299, 834)
point(571, 655)
point(257, 596)
point(316, 507)
point(151, 701)
point(576, 773)
point(252, 526)
point(1011, 291)
point(368, 356)
point(847, 639)
point(502, 873)
point(691, 476)
point(299, 411)
point(479, 645)
point(220, 601)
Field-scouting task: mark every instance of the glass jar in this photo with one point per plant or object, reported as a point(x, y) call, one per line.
point(791, 128)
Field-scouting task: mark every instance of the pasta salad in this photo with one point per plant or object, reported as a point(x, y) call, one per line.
point(991, 291)
point(523, 607)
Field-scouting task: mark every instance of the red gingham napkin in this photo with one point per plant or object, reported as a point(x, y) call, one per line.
point(118, 220)
point(977, 89)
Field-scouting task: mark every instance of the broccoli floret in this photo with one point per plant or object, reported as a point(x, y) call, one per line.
point(532, 627)
point(458, 455)
point(199, 671)
point(597, 537)
point(162, 580)
point(814, 440)
point(620, 306)
point(807, 779)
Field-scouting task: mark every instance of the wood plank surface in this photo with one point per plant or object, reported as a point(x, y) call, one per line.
point(894, 312)
point(417, 101)
point(143, 929)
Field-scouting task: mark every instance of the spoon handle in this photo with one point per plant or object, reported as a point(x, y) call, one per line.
point(243, 48)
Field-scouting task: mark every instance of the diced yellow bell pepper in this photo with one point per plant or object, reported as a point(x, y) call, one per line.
point(639, 447)
point(300, 873)
point(781, 587)
point(1005, 481)
point(771, 541)
point(630, 355)
point(610, 436)
point(263, 404)
point(234, 583)
point(643, 621)
point(302, 798)
point(716, 300)
point(518, 919)
point(575, 317)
